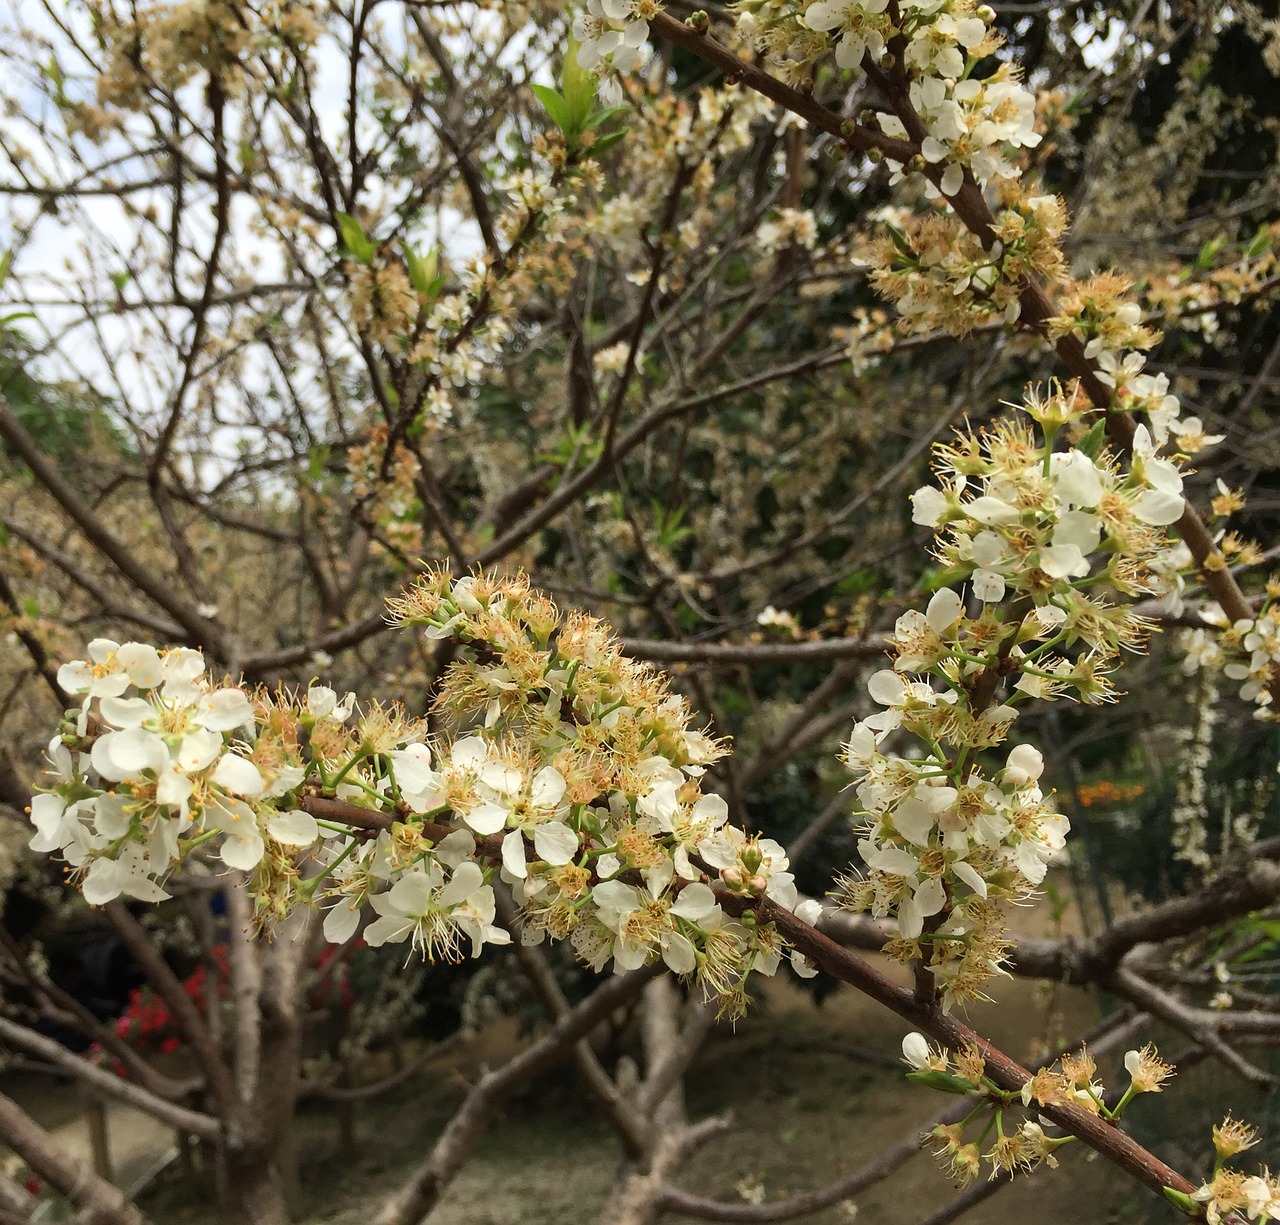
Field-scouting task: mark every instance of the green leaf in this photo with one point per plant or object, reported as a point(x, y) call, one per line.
point(555, 106)
point(354, 239)
point(1261, 242)
point(1092, 442)
point(119, 280)
point(607, 141)
point(899, 240)
point(6, 262)
point(1209, 251)
point(424, 271)
point(1078, 105)
point(948, 576)
point(579, 86)
point(316, 460)
point(4, 536)
point(603, 116)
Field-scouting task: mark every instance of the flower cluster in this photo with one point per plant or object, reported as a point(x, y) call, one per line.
point(585, 779)
point(1246, 650)
point(792, 227)
point(611, 35)
point(1037, 515)
point(1260, 641)
point(941, 277)
point(1230, 1192)
point(1073, 1081)
point(677, 143)
point(945, 850)
point(451, 334)
point(1098, 313)
point(971, 124)
point(169, 766)
point(566, 770)
point(1034, 533)
point(165, 45)
point(384, 481)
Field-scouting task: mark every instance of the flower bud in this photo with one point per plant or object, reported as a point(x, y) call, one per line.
point(915, 1050)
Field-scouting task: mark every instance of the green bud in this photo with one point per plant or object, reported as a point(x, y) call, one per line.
point(945, 1082)
point(1182, 1201)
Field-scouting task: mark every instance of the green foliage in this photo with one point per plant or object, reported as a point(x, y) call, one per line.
point(69, 422)
point(572, 108)
point(357, 244)
point(424, 271)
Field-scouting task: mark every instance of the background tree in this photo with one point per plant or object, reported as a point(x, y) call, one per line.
point(344, 296)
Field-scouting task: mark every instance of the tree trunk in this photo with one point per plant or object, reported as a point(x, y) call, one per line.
point(255, 1193)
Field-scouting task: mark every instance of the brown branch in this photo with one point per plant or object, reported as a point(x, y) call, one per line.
point(199, 629)
point(806, 1202)
point(246, 986)
point(99, 1202)
point(846, 131)
point(627, 1122)
point(1099, 1134)
point(16, 1203)
point(755, 654)
point(149, 960)
point(107, 1083)
point(1192, 1022)
point(222, 222)
point(63, 1007)
point(424, 1187)
point(91, 583)
point(1109, 1033)
point(1239, 890)
point(357, 1093)
point(34, 647)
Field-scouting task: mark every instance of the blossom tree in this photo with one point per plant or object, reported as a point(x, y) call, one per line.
point(402, 342)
